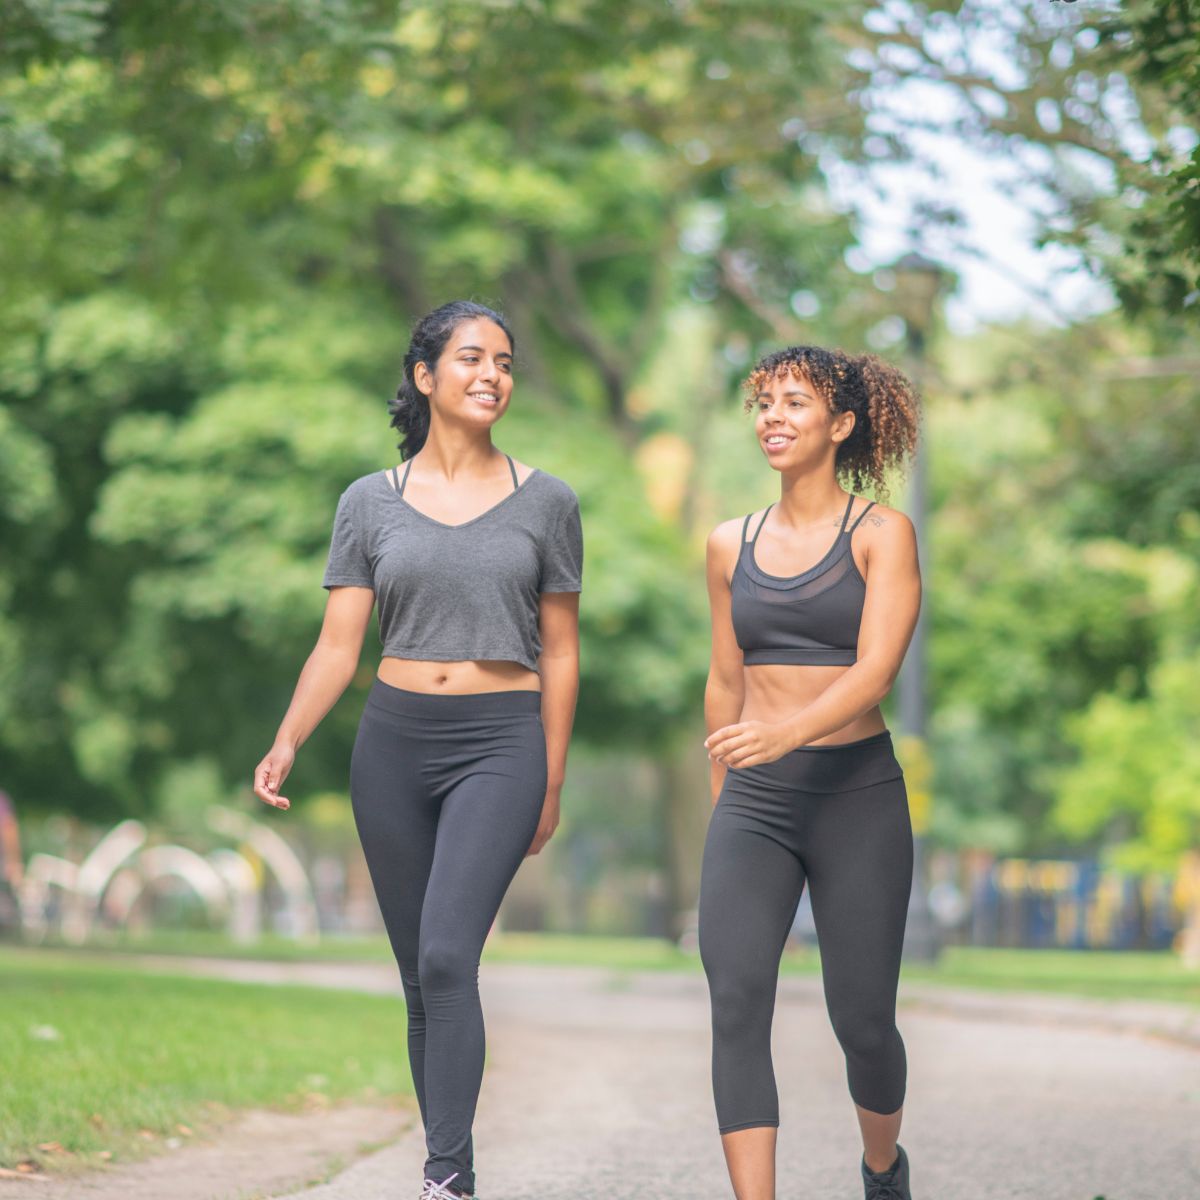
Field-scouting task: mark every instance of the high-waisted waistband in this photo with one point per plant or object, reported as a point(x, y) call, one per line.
point(461, 707)
point(840, 767)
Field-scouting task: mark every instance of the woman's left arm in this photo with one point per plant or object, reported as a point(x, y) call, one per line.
point(890, 609)
point(558, 619)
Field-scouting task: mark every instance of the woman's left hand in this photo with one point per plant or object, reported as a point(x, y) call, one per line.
point(548, 823)
point(747, 744)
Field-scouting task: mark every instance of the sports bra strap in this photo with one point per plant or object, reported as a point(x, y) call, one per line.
point(761, 523)
point(845, 518)
point(862, 514)
point(401, 483)
point(846, 515)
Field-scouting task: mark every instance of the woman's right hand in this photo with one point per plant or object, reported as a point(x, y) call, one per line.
point(270, 774)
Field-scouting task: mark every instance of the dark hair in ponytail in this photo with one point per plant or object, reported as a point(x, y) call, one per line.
point(410, 408)
point(885, 405)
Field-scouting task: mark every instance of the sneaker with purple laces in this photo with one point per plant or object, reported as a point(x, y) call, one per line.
point(891, 1184)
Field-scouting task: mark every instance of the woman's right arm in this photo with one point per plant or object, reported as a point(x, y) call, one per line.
point(725, 691)
point(325, 676)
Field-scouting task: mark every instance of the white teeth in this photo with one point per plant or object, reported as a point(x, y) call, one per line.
point(777, 441)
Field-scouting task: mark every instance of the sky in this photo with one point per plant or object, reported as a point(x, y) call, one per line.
point(1003, 275)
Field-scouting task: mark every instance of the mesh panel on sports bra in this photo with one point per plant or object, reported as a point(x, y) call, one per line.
point(780, 591)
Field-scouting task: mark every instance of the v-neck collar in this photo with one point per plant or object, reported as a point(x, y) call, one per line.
point(487, 512)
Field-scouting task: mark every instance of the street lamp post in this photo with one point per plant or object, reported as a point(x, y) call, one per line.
point(918, 282)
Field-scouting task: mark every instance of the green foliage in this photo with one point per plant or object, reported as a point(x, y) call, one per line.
point(1137, 779)
point(222, 218)
point(39, 29)
point(1040, 597)
point(1158, 43)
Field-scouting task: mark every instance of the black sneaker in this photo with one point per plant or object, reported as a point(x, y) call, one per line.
point(891, 1184)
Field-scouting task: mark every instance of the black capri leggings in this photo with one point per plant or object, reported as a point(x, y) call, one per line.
point(836, 816)
point(447, 794)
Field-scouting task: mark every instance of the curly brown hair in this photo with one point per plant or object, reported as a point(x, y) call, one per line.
point(886, 407)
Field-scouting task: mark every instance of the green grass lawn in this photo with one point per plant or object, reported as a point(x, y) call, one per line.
point(270, 946)
point(99, 1059)
point(1105, 974)
point(1114, 975)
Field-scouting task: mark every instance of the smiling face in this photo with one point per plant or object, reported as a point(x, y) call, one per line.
point(472, 381)
point(795, 425)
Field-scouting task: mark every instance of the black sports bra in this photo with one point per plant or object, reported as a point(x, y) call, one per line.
point(808, 619)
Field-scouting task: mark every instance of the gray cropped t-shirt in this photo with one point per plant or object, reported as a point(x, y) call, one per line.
point(450, 593)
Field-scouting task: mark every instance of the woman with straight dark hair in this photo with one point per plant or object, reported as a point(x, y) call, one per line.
point(807, 639)
point(475, 561)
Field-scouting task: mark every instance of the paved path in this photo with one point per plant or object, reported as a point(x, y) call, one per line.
point(598, 1088)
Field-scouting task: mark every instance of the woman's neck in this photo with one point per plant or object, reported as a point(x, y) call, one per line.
point(808, 500)
point(453, 452)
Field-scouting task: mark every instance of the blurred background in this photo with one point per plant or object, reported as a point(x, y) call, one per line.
point(219, 222)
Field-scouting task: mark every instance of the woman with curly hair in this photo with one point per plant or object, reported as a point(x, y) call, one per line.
point(807, 639)
point(475, 561)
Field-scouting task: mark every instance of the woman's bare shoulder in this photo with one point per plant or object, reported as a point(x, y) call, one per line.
point(881, 522)
point(726, 538)
point(885, 539)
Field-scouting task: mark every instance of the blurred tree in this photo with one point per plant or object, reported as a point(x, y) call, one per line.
point(1157, 43)
point(136, 188)
point(1136, 784)
point(221, 217)
point(1093, 108)
point(224, 215)
point(1056, 581)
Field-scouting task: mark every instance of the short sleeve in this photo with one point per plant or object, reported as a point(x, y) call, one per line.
point(348, 564)
point(562, 555)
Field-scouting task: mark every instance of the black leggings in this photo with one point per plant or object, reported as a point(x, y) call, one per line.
point(447, 794)
point(838, 817)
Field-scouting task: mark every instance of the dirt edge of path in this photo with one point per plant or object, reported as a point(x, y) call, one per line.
point(257, 1154)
